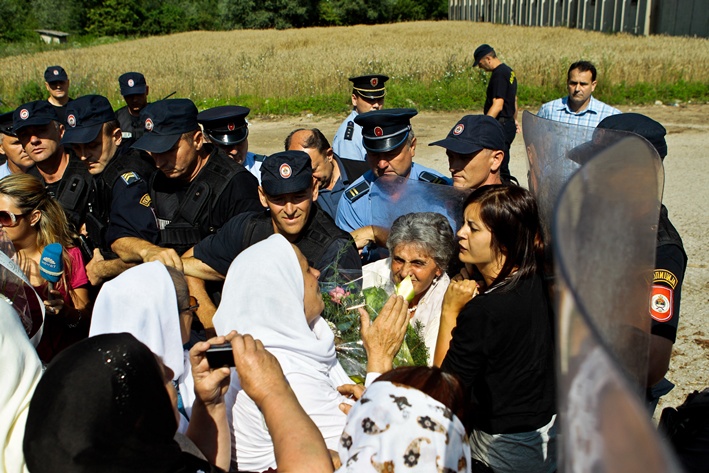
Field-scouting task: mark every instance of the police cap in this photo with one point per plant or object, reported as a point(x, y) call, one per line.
point(480, 52)
point(385, 130)
point(132, 83)
point(473, 133)
point(640, 125)
point(85, 117)
point(370, 86)
point(165, 121)
point(6, 124)
point(55, 74)
point(286, 172)
point(37, 113)
point(225, 125)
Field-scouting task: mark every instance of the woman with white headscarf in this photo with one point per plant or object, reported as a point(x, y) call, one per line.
point(153, 305)
point(272, 294)
point(20, 371)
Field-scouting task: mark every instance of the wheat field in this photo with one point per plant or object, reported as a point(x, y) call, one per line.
point(317, 61)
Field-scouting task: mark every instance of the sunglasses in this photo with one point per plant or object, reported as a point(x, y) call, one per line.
point(9, 219)
point(194, 305)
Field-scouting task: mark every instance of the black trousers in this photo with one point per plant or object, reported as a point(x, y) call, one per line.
point(510, 128)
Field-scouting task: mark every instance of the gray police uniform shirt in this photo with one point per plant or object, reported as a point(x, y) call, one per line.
point(348, 144)
point(252, 163)
point(355, 209)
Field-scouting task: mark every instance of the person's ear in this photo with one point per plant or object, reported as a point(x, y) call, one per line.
point(262, 197)
point(35, 217)
point(496, 156)
point(316, 189)
point(117, 136)
point(198, 140)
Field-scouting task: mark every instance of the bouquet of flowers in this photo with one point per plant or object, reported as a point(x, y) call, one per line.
point(344, 293)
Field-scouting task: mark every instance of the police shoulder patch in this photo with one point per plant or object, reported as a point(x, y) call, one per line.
point(145, 201)
point(430, 177)
point(130, 178)
point(355, 192)
point(349, 131)
point(661, 303)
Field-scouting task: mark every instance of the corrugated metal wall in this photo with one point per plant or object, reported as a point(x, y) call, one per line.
point(673, 17)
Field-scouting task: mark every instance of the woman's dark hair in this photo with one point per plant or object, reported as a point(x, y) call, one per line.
point(441, 386)
point(510, 213)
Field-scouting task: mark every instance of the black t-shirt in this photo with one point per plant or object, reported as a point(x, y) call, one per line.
point(503, 351)
point(667, 291)
point(61, 111)
point(219, 250)
point(131, 127)
point(502, 85)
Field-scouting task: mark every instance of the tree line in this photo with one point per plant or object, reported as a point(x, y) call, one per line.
point(158, 17)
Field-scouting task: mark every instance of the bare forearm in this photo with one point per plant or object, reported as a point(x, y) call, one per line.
point(495, 108)
point(109, 269)
point(206, 309)
point(445, 334)
point(199, 269)
point(297, 442)
point(209, 430)
point(131, 249)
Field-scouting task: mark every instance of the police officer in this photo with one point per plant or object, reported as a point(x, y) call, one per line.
point(135, 92)
point(39, 130)
point(391, 145)
point(475, 147)
point(288, 190)
point(501, 97)
point(367, 94)
point(57, 83)
point(17, 160)
point(333, 173)
point(120, 200)
point(227, 128)
point(670, 266)
point(197, 189)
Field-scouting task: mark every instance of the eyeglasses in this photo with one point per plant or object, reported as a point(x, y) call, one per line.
point(9, 219)
point(194, 305)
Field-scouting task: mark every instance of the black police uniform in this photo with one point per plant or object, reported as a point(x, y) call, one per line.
point(188, 212)
point(503, 84)
point(321, 242)
point(131, 127)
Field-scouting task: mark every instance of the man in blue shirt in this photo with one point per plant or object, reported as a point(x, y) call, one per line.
point(367, 94)
point(579, 107)
point(391, 145)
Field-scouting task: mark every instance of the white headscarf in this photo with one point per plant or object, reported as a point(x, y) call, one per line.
point(399, 428)
point(142, 301)
point(263, 296)
point(20, 371)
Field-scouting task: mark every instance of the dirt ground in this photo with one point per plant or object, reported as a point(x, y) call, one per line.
point(686, 196)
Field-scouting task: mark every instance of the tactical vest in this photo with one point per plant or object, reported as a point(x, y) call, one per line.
point(97, 219)
point(667, 234)
point(185, 221)
point(74, 190)
point(319, 233)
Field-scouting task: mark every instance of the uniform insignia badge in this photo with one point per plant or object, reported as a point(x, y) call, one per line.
point(145, 201)
point(665, 276)
point(349, 131)
point(432, 178)
point(130, 178)
point(230, 127)
point(131, 82)
point(55, 72)
point(354, 193)
point(378, 131)
point(149, 124)
point(458, 129)
point(285, 171)
point(24, 114)
point(661, 303)
point(374, 81)
point(71, 120)
point(127, 135)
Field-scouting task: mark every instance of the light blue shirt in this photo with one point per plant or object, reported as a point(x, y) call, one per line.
point(4, 170)
point(353, 213)
point(558, 110)
point(253, 165)
point(349, 149)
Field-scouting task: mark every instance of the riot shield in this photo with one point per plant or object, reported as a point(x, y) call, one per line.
point(604, 235)
point(394, 196)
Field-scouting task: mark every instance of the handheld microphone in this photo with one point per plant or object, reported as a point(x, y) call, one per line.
point(51, 265)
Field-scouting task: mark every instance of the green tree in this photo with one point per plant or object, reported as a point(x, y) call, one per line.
point(17, 21)
point(114, 18)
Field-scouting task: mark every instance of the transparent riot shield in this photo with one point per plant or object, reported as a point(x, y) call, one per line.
point(394, 196)
point(603, 236)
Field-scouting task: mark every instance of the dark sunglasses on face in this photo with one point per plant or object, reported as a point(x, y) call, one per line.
point(9, 219)
point(194, 305)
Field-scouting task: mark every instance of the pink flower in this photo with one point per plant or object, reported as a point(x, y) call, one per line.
point(337, 294)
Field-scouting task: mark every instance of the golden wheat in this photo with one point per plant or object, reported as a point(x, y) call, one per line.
point(315, 61)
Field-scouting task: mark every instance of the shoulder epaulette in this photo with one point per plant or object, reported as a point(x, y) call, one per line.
point(355, 192)
point(349, 131)
point(432, 178)
point(259, 158)
point(130, 178)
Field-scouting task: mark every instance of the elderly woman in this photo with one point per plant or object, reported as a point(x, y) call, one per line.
point(420, 245)
point(271, 293)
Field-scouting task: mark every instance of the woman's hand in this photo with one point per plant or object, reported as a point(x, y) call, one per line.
point(210, 386)
point(260, 373)
point(458, 294)
point(54, 303)
point(383, 338)
point(351, 391)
